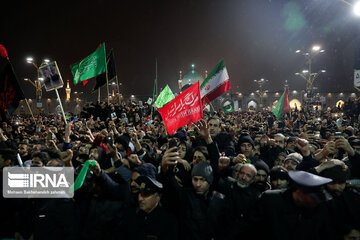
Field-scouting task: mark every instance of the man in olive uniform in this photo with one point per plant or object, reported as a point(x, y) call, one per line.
point(150, 220)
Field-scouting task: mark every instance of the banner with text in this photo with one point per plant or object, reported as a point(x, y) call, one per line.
point(184, 109)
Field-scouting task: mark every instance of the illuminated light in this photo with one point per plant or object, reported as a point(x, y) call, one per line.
point(29, 59)
point(340, 103)
point(297, 51)
point(305, 71)
point(294, 103)
point(46, 60)
point(357, 9)
point(41, 79)
point(316, 48)
point(323, 71)
point(132, 96)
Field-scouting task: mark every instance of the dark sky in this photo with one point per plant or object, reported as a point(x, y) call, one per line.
point(256, 38)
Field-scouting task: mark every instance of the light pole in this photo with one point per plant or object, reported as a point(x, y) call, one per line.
point(37, 83)
point(307, 74)
point(261, 92)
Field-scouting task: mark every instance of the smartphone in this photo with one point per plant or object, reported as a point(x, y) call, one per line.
point(110, 140)
point(338, 134)
point(172, 144)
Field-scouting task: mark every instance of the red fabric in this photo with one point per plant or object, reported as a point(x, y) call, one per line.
point(182, 110)
point(286, 106)
point(3, 52)
point(85, 82)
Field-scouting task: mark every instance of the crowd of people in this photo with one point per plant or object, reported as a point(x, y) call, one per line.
point(229, 176)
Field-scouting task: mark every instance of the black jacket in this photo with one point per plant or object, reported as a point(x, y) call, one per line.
point(277, 217)
point(158, 224)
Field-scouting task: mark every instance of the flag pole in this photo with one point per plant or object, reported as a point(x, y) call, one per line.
point(155, 89)
point(156, 74)
point(107, 78)
point(98, 95)
point(62, 109)
point(117, 84)
point(27, 103)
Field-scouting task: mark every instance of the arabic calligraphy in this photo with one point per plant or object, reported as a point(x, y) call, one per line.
point(188, 101)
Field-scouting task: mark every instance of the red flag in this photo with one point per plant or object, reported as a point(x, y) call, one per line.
point(10, 91)
point(182, 110)
point(286, 107)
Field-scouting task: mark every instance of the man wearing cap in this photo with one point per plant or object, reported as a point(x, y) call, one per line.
point(195, 207)
point(294, 213)
point(346, 197)
point(279, 178)
point(292, 160)
point(261, 178)
point(150, 220)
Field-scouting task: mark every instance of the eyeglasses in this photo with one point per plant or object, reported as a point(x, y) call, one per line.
point(213, 125)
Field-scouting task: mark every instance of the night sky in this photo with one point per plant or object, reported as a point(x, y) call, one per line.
point(256, 38)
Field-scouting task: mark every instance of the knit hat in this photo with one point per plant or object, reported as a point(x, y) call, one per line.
point(245, 139)
point(204, 170)
point(337, 174)
point(146, 169)
point(261, 165)
point(296, 157)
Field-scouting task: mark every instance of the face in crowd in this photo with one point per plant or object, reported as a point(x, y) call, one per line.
point(148, 201)
point(280, 140)
point(201, 186)
point(245, 175)
point(261, 176)
point(198, 157)
point(290, 164)
point(214, 127)
point(246, 149)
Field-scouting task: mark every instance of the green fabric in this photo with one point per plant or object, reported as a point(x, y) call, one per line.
point(88, 165)
point(164, 97)
point(91, 66)
point(219, 67)
point(229, 108)
point(278, 109)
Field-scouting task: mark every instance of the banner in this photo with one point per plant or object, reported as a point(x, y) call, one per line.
point(164, 97)
point(51, 75)
point(91, 66)
point(10, 91)
point(184, 109)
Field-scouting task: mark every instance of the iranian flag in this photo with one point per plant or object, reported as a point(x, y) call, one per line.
point(216, 83)
point(282, 106)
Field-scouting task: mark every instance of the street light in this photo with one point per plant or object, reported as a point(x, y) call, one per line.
point(39, 82)
point(357, 9)
point(307, 74)
point(261, 92)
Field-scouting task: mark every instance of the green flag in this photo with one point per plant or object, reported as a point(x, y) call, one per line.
point(282, 106)
point(88, 165)
point(229, 108)
point(165, 96)
point(91, 66)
